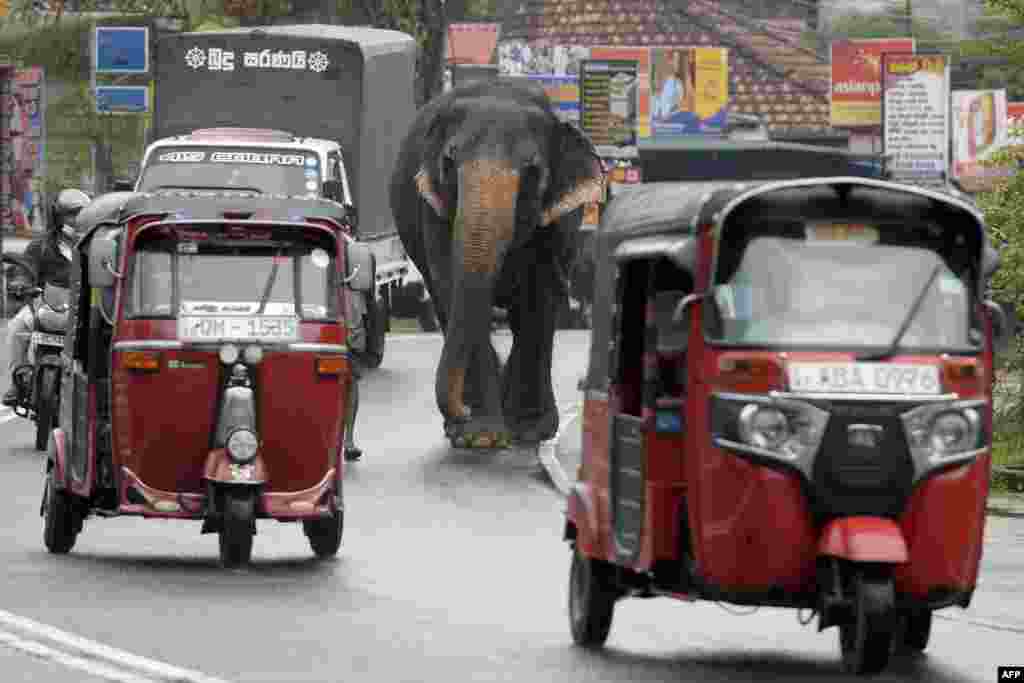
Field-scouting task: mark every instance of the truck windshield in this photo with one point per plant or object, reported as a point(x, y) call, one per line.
point(790, 292)
point(252, 169)
point(220, 277)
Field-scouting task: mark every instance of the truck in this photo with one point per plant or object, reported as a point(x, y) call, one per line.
point(308, 110)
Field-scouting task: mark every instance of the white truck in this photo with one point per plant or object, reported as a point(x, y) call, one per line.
point(310, 109)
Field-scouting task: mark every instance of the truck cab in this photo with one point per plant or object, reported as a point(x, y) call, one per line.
point(247, 160)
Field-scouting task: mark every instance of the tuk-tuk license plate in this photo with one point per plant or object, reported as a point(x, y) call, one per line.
point(863, 378)
point(215, 328)
point(43, 339)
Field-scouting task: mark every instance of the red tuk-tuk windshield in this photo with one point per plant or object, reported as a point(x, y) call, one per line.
point(210, 272)
point(818, 290)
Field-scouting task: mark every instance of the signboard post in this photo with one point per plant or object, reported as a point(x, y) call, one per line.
point(915, 118)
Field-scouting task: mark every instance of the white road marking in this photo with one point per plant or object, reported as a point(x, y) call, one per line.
point(6, 415)
point(78, 653)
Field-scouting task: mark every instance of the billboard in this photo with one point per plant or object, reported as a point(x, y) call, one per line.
point(608, 105)
point(24, 158)
point(688, 85)
point(690, 90)
point(979, 128)
point(564, 93)
point(856, 88)
point(915, 118)
point(122, 99)
point(122, 50)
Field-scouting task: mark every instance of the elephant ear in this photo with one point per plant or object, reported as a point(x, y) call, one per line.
point(577, 177)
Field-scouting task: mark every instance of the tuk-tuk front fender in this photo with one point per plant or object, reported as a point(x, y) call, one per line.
point(581, 516)
point(58, 459)
point(864, 539)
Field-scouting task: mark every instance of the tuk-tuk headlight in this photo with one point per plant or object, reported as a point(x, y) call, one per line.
point(773, 428)
point(943, 433)
point(241, 445)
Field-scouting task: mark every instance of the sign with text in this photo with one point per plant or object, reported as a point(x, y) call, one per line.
point(608, 105)
point(915, 118)
point(122, 50)
point(856, 89)
point(122, 99)
point(564, 93)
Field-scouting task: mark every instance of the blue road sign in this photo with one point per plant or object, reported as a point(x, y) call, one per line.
point(122, 99)
point(122, 50)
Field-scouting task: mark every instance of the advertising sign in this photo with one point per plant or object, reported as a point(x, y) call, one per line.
point(690, 90)
point(471, 42)
point(694, 102)
point(24, 153)
point(979, 129)
point(122, 50)
point(122, 99)
point(856, 89)
point(608, 105)
point(915, 118)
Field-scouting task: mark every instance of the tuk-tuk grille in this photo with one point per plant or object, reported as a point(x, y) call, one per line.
point(861, 480)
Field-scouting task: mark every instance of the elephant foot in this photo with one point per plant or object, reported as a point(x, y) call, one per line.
point(535, 429)
point(477, 433)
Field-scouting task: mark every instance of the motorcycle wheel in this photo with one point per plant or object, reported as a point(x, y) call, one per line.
point(866, 641)
point(46, 404)
point(236, 530)
point(917, 630)
point(325, 534)
point(591, 600)
point(61, 522)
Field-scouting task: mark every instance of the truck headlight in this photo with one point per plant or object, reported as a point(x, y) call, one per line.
point(241, 445)
point(943, 433)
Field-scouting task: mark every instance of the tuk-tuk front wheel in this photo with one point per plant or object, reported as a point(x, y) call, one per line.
point(592, 597)
point(866, 640)
point(325, 534)
point(46, 404)
point(61, 519)
point(236, 529)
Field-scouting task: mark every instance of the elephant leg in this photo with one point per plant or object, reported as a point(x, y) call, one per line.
point(528, 399)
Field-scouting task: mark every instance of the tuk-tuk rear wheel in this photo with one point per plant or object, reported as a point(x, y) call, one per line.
point(325, 534)
point(61, 521)
point(236, 530)
point(592, 597)
point(866, 640)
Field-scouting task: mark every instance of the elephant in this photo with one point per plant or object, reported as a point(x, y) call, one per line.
point(487, 194)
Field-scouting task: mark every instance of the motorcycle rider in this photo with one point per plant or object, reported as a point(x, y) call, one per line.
point(50, 257)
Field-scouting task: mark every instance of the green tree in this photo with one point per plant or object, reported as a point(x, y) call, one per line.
point(896, 19)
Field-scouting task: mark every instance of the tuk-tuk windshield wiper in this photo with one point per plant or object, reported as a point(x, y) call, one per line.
point(271, 279)
point(907, 321)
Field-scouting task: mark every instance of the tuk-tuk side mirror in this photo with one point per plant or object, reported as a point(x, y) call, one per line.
point(1004, 325)
point(102, 261)
point(360, 266)
point(989, 262)
point(687, 301)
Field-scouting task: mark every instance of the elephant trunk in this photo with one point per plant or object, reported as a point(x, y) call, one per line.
point(483, 228)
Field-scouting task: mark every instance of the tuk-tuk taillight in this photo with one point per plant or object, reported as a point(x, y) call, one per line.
point(141, 360)
point(331, 365)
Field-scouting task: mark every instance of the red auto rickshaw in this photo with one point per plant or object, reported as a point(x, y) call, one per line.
point(206, 373)
point(788, 403)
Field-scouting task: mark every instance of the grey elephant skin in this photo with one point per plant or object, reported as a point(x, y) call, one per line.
point(487, 194)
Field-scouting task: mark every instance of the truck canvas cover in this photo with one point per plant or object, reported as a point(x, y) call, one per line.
point(347, 84)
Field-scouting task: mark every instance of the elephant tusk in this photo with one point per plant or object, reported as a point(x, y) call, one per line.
point(585, 193)
point(426, 189)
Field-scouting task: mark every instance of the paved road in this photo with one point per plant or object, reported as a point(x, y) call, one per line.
point(452, 569)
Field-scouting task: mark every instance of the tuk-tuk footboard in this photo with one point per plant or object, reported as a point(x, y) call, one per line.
point(136, 498)
point(321, 500)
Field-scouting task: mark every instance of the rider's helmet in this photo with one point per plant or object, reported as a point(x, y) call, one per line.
point(65, 209)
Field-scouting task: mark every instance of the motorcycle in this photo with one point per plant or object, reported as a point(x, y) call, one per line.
point(37, 382)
